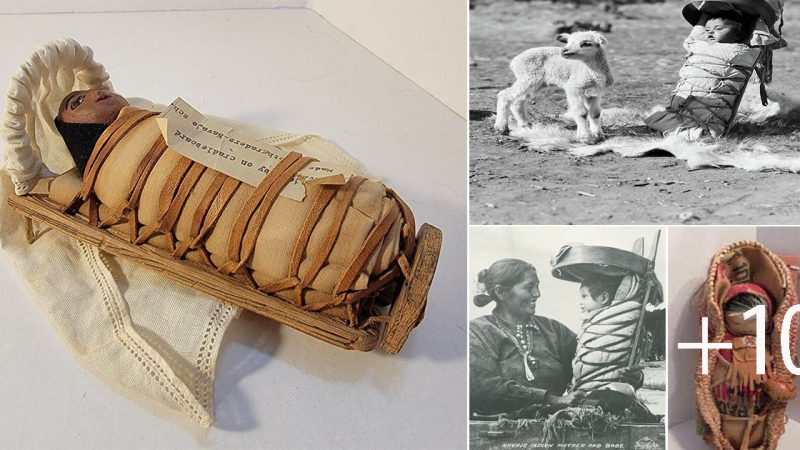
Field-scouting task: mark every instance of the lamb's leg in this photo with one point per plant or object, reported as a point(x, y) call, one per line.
point(595, 124)
point(511, 99)
point(579, 112)
point(518, 108)
point(504, 99)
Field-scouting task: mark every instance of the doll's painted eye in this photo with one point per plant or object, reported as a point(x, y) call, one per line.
point(76, 101)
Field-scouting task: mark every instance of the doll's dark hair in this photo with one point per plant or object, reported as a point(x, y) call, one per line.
point(743, 302)
point(80, 139)
point(504, 272)
point(597, 284)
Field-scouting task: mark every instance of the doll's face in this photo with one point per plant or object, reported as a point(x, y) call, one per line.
point(737, 325)
point(91, 106)
point(734, 310)
point(722, 30)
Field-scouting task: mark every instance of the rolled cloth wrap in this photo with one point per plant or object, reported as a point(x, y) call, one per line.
point(271, 257)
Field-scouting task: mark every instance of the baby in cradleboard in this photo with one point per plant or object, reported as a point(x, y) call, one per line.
point(610, 309)
point(716, 70)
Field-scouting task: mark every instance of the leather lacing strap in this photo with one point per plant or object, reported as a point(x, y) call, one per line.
point(94, 211)
point(372, 320)
point(105, 147)
point(376, 285)
point(139, 178)
point(408, 233)
point(108, 139)
point(345, 197)
point(135, 187)
point(250, 220)
point(174, 194)
point(138, 181)
point(248, 244)
point(350, 299)
point(611, 341)
point(200, 213)
point(206, 220)
point(375, 237)
point(114, 127)
point(182, 181)
point(321, 201)
point(77, 200)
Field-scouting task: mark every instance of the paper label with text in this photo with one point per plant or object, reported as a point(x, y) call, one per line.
point(216, 145)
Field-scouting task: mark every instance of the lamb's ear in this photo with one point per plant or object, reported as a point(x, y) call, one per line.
point(563, 37)
point(602, 39)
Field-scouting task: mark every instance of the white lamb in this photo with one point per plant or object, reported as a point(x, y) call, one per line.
point(580, 68)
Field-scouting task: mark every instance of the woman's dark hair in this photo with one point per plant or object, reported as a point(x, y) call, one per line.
point(598, 284)
point(504, 272)
point(80, 139)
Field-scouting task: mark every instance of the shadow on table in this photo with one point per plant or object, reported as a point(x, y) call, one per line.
point(248, 345)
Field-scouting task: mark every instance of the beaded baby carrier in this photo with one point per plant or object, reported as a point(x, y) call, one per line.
point(738, 408)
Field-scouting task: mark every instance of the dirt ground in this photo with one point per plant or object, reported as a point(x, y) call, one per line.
point(653, 393)
point(510, 184)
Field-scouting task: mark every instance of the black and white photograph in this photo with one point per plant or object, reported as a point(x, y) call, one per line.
point(634, 111)
point(567, 337)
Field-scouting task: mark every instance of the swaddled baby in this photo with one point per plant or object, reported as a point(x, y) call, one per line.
point(710, 79)
point(610, 308)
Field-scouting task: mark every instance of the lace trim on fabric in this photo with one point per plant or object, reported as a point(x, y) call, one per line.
point(209, 346)
point(153, 367)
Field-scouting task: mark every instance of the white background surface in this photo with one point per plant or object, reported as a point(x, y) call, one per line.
point(424, 40)
point(690, 253)
point(291, 70)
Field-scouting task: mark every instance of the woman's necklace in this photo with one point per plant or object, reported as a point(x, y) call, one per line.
point(523, 341)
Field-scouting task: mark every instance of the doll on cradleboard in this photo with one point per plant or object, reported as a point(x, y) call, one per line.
point(749, 404)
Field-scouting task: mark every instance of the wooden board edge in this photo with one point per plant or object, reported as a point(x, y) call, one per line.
point(192, 275)
point(410, 304)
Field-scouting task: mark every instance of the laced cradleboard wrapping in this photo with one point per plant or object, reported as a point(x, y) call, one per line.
point(739, 409)
point(605, 341)
point(611, 337)
point(329, 264)
point(715, 75)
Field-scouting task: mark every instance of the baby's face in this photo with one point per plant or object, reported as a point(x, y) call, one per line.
point(589, 303)
point(722, 31)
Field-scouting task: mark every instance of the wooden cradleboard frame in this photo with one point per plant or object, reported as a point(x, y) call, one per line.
point(574, 263)
point(407, 308)
point(29, 107)
point(755, 8)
